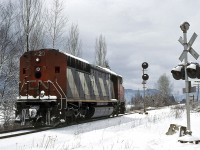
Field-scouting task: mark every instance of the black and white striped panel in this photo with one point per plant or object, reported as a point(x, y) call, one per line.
point(94, 86)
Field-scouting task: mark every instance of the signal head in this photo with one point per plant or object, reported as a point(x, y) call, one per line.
point(192, 70)
point(145, 77)
point(145, 65)
point(178, 72)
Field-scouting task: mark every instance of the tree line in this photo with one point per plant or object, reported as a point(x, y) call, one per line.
point(27, 25)
point(163, 96)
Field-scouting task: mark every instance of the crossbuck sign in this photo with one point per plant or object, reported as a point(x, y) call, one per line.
point(189, 48)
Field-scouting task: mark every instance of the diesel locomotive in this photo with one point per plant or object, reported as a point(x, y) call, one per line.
point(56, 87)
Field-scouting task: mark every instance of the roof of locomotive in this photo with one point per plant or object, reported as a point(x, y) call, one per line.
point(83, 60)
point(78, 58)
point(108, 70)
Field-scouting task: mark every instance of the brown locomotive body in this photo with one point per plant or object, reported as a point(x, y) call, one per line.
point(58, 87)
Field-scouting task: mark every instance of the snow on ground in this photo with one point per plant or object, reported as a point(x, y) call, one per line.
point(128, 132)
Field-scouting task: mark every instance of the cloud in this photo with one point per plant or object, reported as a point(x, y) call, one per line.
point(136, 31)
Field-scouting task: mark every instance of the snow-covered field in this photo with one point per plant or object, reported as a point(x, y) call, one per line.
point(128, 132)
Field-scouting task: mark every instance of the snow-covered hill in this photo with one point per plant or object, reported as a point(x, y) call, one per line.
point(128, 132)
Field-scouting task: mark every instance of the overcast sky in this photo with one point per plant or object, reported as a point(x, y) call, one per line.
point(136, 31)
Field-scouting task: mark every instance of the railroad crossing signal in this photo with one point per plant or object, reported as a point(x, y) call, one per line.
point(186, 69)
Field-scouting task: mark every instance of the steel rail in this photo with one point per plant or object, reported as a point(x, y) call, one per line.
point(25, 132)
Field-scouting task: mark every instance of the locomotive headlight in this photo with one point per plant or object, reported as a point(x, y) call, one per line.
point(38, 69)
point(37, 60)
point(32, 112)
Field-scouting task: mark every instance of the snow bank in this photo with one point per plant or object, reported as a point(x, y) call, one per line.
point(128, 132)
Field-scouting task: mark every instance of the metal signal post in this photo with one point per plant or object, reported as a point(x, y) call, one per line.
point(186, 76)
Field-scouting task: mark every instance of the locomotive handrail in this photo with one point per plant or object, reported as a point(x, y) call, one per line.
point(61, 89)
point(62, 92)
point(57, 91)
point(20, 89)
point(27, 88)
point(22, 85)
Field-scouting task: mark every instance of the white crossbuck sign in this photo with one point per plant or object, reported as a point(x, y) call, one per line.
point(189, 48)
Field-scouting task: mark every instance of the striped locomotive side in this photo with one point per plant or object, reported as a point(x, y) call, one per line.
point(88, 86)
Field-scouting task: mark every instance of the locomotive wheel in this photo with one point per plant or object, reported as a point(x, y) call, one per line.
point(69, 119)
point(37, 124)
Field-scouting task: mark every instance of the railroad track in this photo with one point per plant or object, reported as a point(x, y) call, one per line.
point(30, 130)
point(14, 130)
point(18, 132)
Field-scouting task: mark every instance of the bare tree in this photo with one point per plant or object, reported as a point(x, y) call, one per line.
point(6, 21)
point(73, 41)
point(165, 87)
point(37, 36)
point(8, 90)
point(30, 11)
point(8, 61)
point(56, 22)
point(100, 52)
point(137, 100)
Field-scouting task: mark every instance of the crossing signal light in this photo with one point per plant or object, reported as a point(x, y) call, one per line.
point(193, 70)
point(178, 72)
